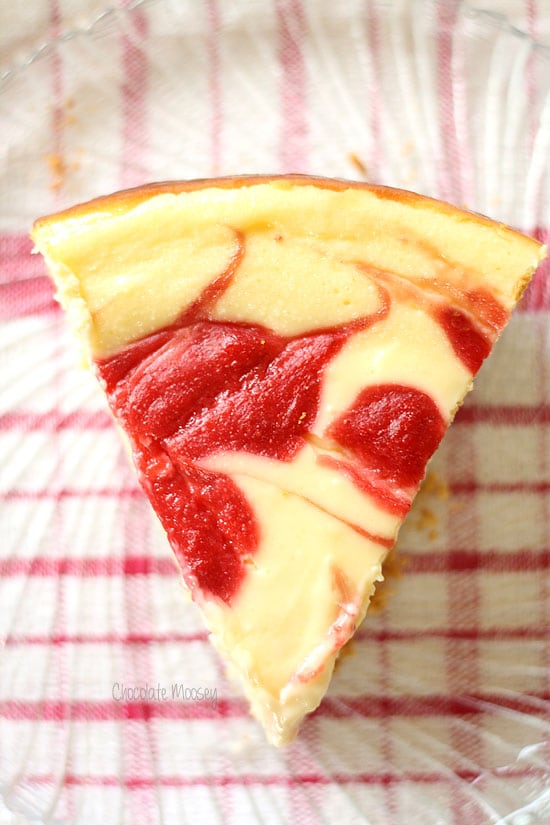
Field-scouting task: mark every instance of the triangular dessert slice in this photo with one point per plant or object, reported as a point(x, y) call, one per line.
point(284, 355)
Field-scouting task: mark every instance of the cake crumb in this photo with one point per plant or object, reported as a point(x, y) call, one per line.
point(360, 167)
point(69, 118)
point(423, 517)
point(435, 485)
point(58, 169)
point(426, 518)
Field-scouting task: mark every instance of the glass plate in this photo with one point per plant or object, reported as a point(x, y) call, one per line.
point(438, 714)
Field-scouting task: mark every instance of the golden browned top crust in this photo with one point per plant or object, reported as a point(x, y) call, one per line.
point(126, 199)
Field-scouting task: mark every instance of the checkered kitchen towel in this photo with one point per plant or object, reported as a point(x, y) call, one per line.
point(113, 707)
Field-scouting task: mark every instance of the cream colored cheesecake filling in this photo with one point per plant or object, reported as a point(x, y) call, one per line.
point(407, 348)
point(321, 485)
point(296, 258)
point(393, 351)
point(280, 631)
point(134, 271)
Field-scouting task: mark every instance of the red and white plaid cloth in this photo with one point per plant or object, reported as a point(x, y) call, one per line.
point(440, 715)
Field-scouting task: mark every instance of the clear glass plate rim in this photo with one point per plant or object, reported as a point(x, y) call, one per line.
point(496, 19)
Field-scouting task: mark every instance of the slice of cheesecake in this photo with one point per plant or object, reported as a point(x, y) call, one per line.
point(284, 355)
